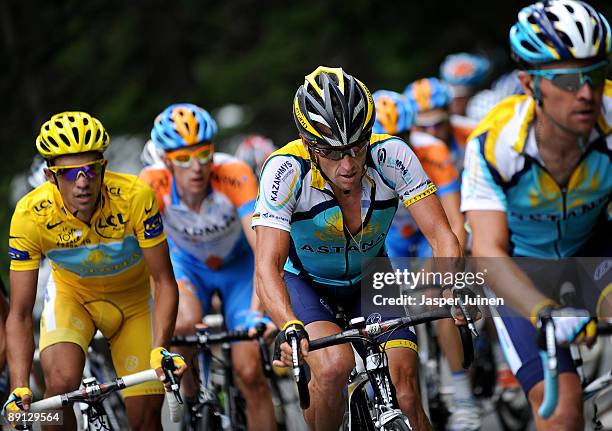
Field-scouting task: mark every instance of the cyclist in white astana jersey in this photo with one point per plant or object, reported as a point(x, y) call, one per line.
point(537, 183)
point(324, 208)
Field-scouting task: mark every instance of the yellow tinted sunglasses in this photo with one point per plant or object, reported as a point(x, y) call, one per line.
point(182, 158)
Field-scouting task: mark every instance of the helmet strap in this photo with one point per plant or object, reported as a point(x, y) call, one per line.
point(538, 94)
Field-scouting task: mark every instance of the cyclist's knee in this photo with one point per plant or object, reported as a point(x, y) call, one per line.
point(61, 382)
point(249, 371)
point(332, 370)
point(569, 412)
point(188, 316)
point(144, 412)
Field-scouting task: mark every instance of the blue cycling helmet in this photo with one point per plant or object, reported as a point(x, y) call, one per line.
point(181, 125)
point(394, 112)
point(559, 30)
point(428, 93)
point(470, 70)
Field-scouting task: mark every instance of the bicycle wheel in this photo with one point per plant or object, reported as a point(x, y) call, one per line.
point(209, 420)
point(398, 424)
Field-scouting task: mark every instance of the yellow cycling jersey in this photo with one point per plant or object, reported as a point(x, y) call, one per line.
point(105, 254)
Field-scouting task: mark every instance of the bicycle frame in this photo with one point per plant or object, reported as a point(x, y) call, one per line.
point(376, 371)
point(203, 341)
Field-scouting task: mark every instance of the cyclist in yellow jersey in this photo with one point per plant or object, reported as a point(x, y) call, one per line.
point(103, 234)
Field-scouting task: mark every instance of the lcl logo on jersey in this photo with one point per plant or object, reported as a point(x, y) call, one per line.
point(40, 207)
point(111, 226)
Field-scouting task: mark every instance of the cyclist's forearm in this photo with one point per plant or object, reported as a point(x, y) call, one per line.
point(507, 280)
point(165, 308)
point(273, 295)
point(20, 349)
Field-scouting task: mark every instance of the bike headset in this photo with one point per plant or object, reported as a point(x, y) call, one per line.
point(71, 132)
point(333, 111)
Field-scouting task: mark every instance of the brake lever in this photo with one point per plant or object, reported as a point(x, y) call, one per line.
point(466, 314)
point(168, 368)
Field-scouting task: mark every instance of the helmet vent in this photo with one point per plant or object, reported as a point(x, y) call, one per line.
point(527, 45)
point(52, 141)
point(71, 119)
point(45, 147)
point(569, 8)
point(85, 121)
point(566, 40)
point(580, 29)
point(59, 125)
point(97, 135)
point(65, 139)
point(197, 129)
point(595, 34)
point(552, 17)
point(87, 136)
point(75, 133)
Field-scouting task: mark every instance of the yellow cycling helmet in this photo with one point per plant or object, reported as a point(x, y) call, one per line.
point(71, 133)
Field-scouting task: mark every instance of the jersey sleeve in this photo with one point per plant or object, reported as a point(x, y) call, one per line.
point(148, 225)
point(280, 179)
point(237, 181)
point(24, 241)
point(438, 165)
point(400, 167)
point(159, 181)
point(479, 188)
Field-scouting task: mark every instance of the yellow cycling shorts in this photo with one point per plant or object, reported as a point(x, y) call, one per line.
point(72, 316)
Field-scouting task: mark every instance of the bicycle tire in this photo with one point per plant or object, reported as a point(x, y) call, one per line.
point(512, 418)
point(398, 424)
point(209, 420)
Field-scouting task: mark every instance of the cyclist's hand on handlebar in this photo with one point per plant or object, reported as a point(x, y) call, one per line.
point(254, 318)
point(572, 325)
point(19, 400)
point(457, 312)
point(157, 355)
point(282, 350)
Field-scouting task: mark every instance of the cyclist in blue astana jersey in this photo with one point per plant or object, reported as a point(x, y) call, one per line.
point(538, 180)
point(324, 208)
point(206, 201)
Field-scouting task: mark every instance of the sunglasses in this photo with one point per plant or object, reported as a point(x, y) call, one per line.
point(573, 79)
point(182, 158)
point(71, 173)
point(337, 154)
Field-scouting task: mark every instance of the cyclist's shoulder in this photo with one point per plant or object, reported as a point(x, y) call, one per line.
point(605, 120)
point(40, 201)
point(504, 128)
point(158, 177)
point(292, 157)
point(124, 187)
point(225, 165)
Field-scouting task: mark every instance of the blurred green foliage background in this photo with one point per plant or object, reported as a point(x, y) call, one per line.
point(125, 61)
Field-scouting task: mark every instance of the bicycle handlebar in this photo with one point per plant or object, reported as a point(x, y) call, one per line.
point(371, 331)
point(204, 339)
point(98, 391)
point(550, 363)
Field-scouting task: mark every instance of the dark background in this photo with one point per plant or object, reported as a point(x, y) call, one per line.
point(125, 61)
